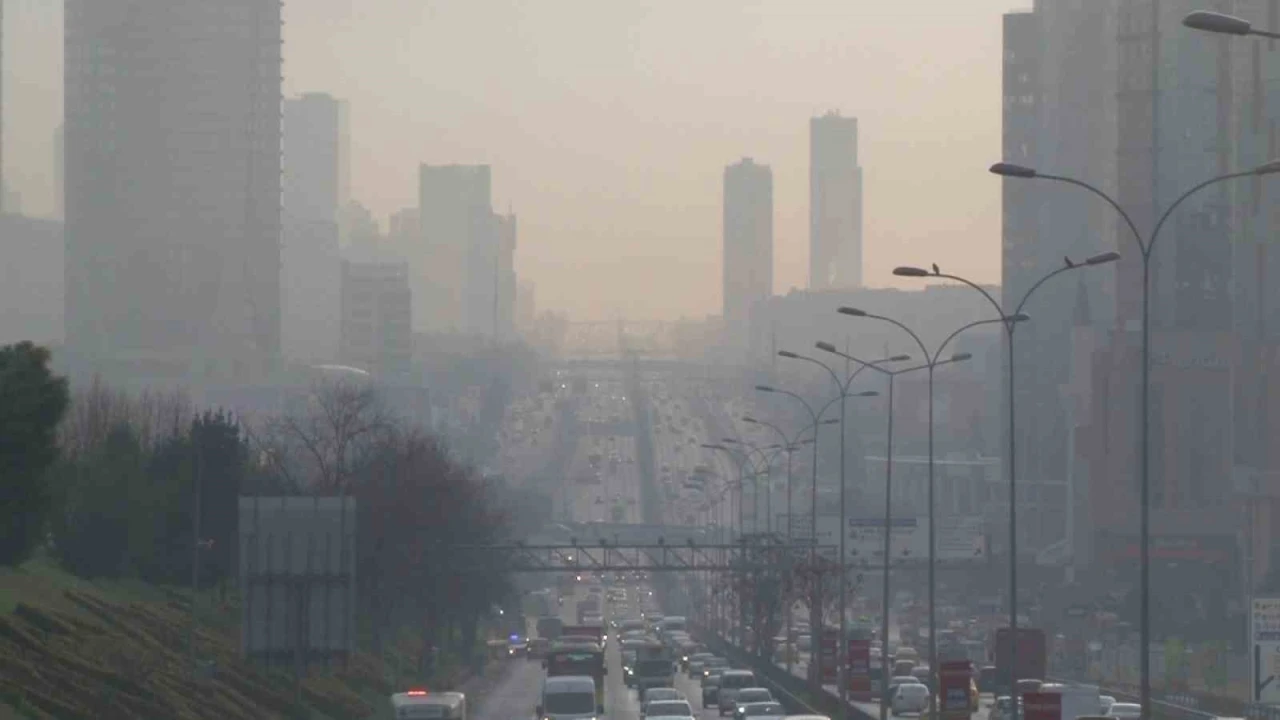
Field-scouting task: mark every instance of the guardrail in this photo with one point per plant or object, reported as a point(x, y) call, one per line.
point(1164, 708)
point(794, 693)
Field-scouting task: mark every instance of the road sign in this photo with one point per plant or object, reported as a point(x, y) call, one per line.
point(960, 539)
point(1264, 630)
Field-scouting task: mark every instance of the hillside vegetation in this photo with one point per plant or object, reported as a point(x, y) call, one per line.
point(72, 649)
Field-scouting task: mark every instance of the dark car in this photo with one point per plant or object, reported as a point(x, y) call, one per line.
point(711, 691)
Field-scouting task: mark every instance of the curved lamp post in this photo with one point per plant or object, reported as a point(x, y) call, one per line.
point(842, 390)
point(1011, 459)
point(1224, 24)
point(932, 361)
point(1146, 244)
point(888, 511)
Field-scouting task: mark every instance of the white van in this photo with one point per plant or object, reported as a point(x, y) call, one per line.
point(731, 681)
point(428, 705)
point(568, 697)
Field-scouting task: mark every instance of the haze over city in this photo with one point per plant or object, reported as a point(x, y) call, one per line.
point(608, 125)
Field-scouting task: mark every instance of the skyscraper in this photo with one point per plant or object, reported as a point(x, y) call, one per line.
point(748, 246)
point(835, 203)
point(309, 275)
point(1058, 114)
point(456, 215)
point(173, 183)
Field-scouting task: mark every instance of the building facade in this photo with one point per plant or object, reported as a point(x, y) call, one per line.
point(173, 172)
point(310, 259)
point(376, 332)
point(748, 247)
point(456, 215)
point(835, 203)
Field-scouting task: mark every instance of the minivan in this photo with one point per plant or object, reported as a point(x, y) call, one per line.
point(568, 697)
point(731, 681)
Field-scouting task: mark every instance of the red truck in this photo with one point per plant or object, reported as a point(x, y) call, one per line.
point(1032, 656)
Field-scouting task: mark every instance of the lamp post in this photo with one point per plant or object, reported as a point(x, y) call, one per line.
point(888, 514)
point(1224, 24)
point(1145, 246)
point(842, 389)
point(748, 449)
point(932, 361)
point(1011, 458)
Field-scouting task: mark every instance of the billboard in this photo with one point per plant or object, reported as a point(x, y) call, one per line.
point(297, 573)
point(1264, 655)
point(960, 539)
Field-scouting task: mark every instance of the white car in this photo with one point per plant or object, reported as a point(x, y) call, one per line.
point(910, 697)
point(763, 711)
point(1126, 711)
point(658, 693)
point(668, 709)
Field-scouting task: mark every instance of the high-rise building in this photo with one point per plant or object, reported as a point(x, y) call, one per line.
point(491, 292)
point(835, 203)
point(310, 258)
point(376, 329)
point(1058, 114)
point(173, 184)
point(59, 174)
point(748, 247)
point(455, 213)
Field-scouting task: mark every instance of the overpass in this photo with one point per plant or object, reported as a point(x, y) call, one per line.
point(620, 534)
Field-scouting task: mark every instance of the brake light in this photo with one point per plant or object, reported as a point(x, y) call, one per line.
point(416, 693)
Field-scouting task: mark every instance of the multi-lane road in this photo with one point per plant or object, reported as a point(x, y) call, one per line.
point(603, 483)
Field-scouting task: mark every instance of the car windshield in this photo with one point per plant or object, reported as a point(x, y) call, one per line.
point(661, 694)
point(768, 708)
point(678, 708)
point(569, 703)
point(753, 696)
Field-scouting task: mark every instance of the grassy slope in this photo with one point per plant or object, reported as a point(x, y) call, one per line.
point(70, 648)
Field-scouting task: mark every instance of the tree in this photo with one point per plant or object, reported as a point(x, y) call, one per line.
point(32, 403)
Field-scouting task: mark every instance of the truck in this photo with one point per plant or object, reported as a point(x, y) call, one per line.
point(1081, 700)
point(654, 666)
point(589, 606)
point(550, 627)
point(593, 631)
point(1032, 657)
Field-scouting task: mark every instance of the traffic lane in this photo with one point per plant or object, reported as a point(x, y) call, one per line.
point(873, 708)
point(515, 695)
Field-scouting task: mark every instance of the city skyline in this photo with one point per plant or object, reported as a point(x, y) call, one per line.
point(611, 189)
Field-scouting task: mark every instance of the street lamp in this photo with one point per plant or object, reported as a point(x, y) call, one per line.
point(842, 389)
point(1145, 247)
point(932, 361)
point(749, 448)
point(888, 513)
point(1223, 24)
point(1011, 460)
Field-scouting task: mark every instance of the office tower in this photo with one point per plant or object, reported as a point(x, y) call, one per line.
point(1058, 113)
point(376, 310)
point(310, 259)
point(59, 174)
point(491, 283)
point(455, 214)
point(748, 246)
point(173, 183)
point(835, 203)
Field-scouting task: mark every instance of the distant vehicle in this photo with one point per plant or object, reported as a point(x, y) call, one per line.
point(569, 697)
point(659, 693)
point(550, 627)
point(731, 683)
point(423, 704)
point(711, 689)
point(910, 697)
point(763, 711)
point(1127, 711)
point(578, 663)
point(668, 708)
point(750, 696)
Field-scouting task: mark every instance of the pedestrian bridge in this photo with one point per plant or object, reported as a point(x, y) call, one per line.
point(620, 534)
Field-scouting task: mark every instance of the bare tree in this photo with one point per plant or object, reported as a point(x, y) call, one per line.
point(321, 446)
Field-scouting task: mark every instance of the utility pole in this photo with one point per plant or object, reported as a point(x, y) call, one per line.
point(198, 490)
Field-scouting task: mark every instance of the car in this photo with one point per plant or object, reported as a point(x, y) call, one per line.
point(1125, 710)
point(658, 693)
point(538, 648)
point(1002, 708)
point(731, 683)
point(668, 708)
point(770, 710)
point(749, 696)
point(910, 697)
point(895, 681)
point(693, 665)
point(1107, 701)
point(711, 690)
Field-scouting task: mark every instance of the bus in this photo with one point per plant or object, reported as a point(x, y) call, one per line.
point(588, 661)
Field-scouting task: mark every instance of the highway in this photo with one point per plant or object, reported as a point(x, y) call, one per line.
point(603, 483)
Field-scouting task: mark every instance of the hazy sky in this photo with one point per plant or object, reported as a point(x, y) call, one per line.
point(608, 124)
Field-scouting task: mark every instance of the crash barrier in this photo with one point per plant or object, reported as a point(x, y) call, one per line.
point(794, 693)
